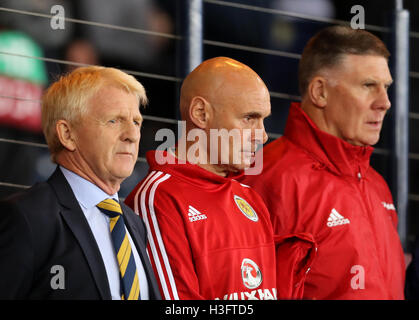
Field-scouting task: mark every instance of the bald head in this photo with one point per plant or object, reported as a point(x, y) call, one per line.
point(226, 101)
point(217, 80)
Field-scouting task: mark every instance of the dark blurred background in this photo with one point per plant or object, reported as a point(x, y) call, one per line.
point(145, 38)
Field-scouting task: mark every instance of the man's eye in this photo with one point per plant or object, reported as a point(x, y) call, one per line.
point(112, 121)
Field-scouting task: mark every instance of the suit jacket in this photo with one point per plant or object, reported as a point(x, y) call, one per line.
point(47, 250)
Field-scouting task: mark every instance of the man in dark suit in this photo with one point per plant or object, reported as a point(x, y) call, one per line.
point(59, 239)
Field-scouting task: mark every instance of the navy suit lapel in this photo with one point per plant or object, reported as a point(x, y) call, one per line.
point(138, 235)
point(75, 219)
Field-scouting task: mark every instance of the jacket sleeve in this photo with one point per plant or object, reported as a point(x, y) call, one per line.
point(168, 245)
point(16, 253)
point(295, 254)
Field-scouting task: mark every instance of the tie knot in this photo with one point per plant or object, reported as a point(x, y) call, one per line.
point(110, 207)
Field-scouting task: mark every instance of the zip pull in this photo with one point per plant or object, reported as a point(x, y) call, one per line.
point(359, 175)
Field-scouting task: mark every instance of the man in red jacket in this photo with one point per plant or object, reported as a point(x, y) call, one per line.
point(210, 236)
point(317, 177)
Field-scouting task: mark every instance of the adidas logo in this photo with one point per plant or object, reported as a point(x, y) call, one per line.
point(195, 215)
point(336, 219)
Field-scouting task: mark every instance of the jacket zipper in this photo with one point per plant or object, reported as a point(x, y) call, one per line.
point(369, 211)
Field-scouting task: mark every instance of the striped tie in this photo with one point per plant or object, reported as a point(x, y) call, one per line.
point(130, 286)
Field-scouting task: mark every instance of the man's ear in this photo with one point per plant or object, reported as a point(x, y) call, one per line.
point(65, 134)
point(317, 91)
point(199, 111)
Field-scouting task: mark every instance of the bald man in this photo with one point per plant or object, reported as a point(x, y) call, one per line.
point(210, 236)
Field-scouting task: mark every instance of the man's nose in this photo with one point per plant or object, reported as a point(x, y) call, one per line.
point(131, 132)
point(260, 135)
point(383, 102)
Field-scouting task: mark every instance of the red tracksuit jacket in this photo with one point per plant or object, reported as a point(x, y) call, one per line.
point(210, 237)
point(316, 183)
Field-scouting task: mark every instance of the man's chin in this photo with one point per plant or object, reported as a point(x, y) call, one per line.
point(123, 173)
point(240, 167)
point(371, 141)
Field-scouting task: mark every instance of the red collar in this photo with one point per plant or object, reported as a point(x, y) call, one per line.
point(336, 154)
point(166, 162)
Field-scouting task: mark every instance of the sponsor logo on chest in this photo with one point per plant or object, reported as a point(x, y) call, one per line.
point(251, 274)
point(252, 278)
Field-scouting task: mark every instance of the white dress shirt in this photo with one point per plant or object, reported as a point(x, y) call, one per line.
point(88, 196)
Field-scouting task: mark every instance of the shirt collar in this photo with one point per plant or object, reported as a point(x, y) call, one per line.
point(86, 193)
point(338, 155)
point(161, 160)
